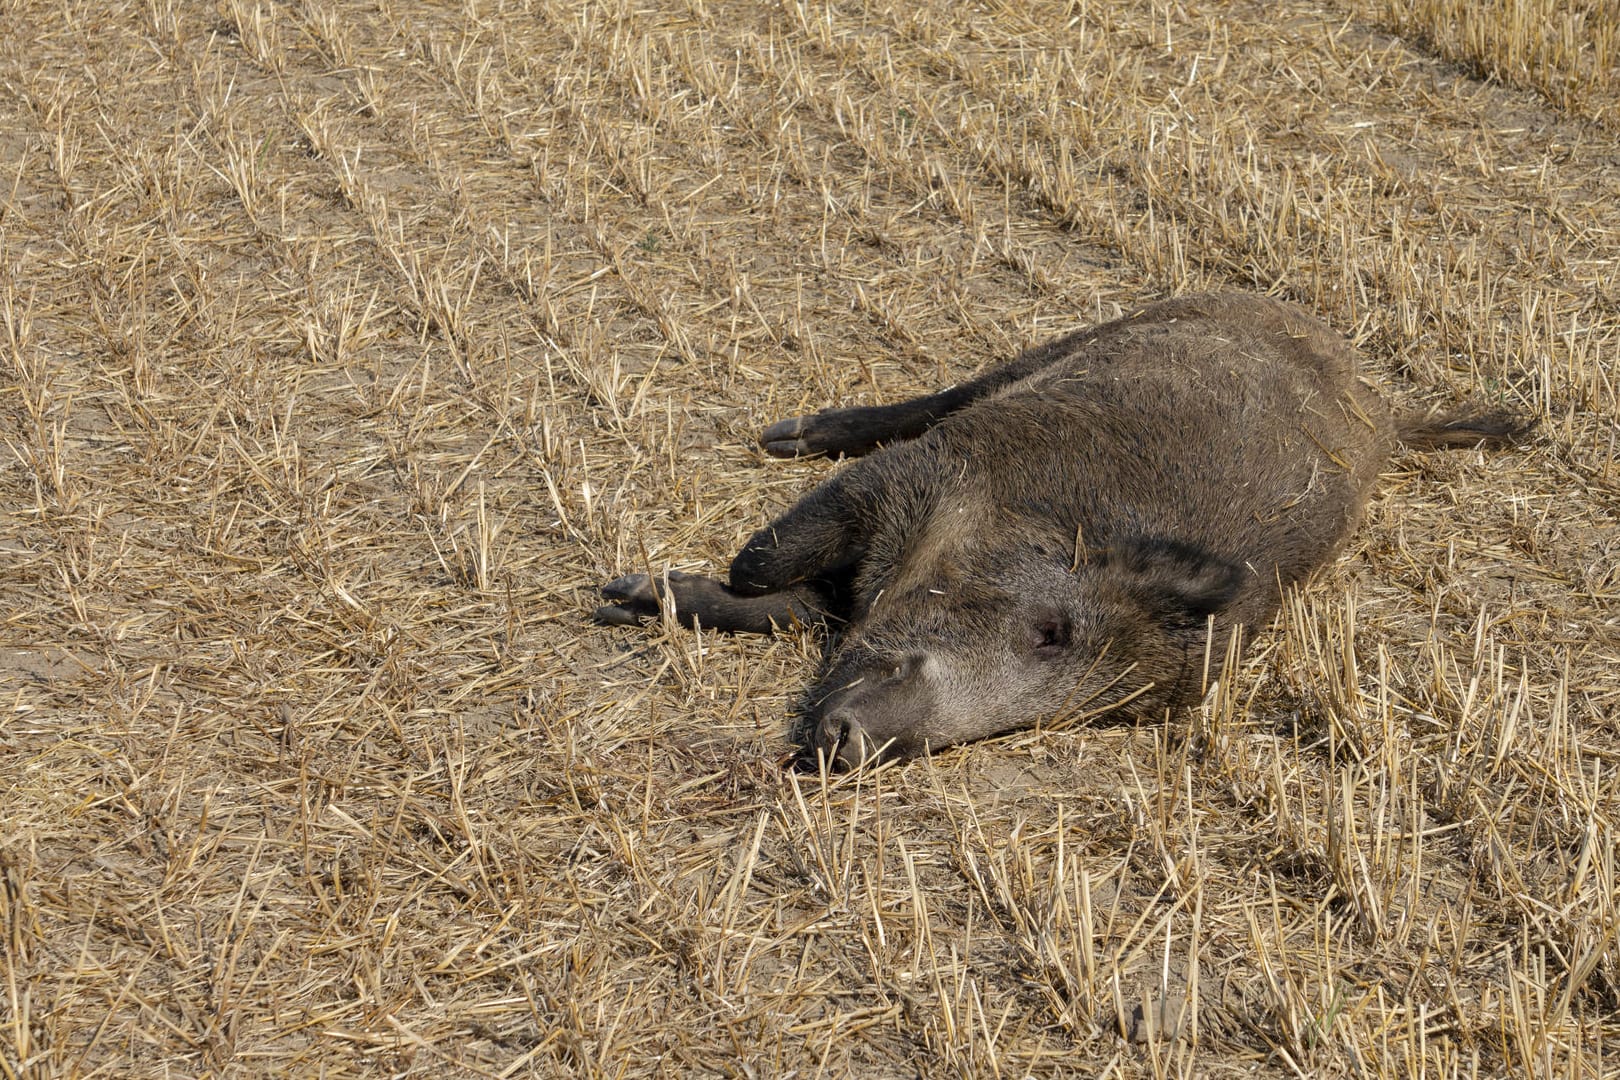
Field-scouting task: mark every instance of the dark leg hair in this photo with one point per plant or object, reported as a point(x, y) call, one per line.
point(822, 535)
point(705, 602)
point(855, 431)
point(799, 568)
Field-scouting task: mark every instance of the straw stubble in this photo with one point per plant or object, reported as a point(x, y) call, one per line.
point(342, 349)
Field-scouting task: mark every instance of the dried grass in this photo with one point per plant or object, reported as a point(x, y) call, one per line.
point(344, 346)
point(1568, 51)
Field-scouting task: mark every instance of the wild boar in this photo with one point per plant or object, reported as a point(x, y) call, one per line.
point(1064, 533)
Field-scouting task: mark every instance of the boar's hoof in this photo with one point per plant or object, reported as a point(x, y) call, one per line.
point(834, 432)
point(794, 437)
point(634, 601)
point(635, 598)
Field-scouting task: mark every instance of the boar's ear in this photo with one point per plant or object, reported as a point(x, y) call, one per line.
point(1180, 583)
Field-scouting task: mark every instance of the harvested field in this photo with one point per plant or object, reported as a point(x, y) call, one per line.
point(346, 346)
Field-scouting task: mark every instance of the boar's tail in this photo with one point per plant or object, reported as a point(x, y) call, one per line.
point(1437, 431)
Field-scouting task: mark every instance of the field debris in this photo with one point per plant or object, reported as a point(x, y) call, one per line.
point(345, 347)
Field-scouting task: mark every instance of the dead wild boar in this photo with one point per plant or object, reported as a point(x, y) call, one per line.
point(1062, 534)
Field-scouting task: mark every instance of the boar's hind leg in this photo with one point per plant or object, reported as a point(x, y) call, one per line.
point(855, 431)
point(708, 603)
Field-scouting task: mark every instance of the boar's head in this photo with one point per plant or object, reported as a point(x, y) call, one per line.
point(985, 640)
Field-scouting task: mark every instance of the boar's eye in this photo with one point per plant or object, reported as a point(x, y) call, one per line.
point(1049, 635)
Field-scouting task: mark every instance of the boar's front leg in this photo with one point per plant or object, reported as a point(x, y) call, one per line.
point(705, 602)
point(797, 569)
point(821, 538)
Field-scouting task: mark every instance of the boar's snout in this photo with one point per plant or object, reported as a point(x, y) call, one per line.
point(842, 741)
point(869, 711)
